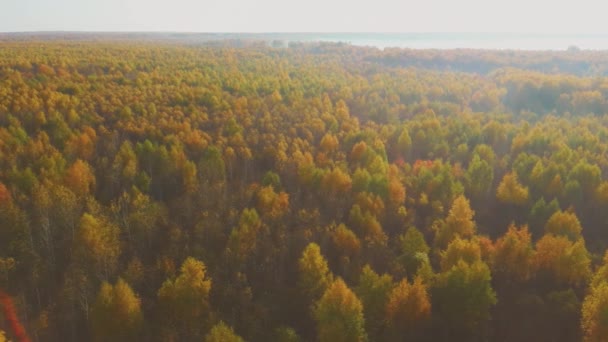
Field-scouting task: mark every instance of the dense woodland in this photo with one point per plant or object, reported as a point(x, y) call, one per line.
point(320, 192)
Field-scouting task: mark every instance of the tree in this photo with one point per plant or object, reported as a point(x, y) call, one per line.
point(587, 175)
point(222, 333)
point(243, 238)
point(458, 250)
point(314, 274)
point(271, 204)
point(479, 177)
point(594, 315)
point(409, 307)
point(98, 243)
point(564, 223)
point(337, 182)
point(286, 334)
point(462, 298)
point(80, 178)
point(459, 222)
point(346, 241)
point(511, 191)
point(184, 301)
point(116, 314)
point(374, 291)
point(329, 143)
point(414, 250)
point(339, 315)
point(601, 274)
point(513, 257)
point(567, 261)
point(539, 215)
point(404, 142)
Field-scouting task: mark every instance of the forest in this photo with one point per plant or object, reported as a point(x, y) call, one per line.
point(236, 191)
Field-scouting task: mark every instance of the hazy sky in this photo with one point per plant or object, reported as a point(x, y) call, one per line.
point(543, 16)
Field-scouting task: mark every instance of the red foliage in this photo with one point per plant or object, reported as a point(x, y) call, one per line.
point(5, 195)
point(418, 164)
point(10, 314)
point(400, 162)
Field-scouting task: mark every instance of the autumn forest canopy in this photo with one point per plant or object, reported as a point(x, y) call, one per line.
point(236, 191)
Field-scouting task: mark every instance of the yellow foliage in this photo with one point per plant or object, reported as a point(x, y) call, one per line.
point(511, 191)
point(408, 304)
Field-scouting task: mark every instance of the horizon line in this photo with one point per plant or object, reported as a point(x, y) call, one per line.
point(305, 32)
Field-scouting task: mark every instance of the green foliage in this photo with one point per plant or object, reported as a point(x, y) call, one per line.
point(463, 296)
point(374, 291)
point(414, 249)
point(541, 212)
point(479, 177)
point(222, 333)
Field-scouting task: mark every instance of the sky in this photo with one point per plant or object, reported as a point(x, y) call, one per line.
point(512, 16)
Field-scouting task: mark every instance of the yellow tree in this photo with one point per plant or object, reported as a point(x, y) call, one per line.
point(116, 314)
point(339, 315)
point(459, 222)
point(184, 301)
point(243, 238)
point(408, 308)
point(511, 191)
point(459, 249)
point(314, 274)
point(567, 261)
point(513, 257)
point(564, 223)
point(594, 321)
point(601, 274)
point(97, 242)
point(222, 333)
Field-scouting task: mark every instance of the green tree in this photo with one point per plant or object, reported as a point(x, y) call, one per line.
point(414, 250)
point(462, 298)
point(374, 291)
point(479, 177)
point(222, 333)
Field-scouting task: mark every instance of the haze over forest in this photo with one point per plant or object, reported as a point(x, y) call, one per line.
point(164, 177)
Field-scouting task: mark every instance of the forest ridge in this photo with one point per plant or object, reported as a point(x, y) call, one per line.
point(316, 192)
